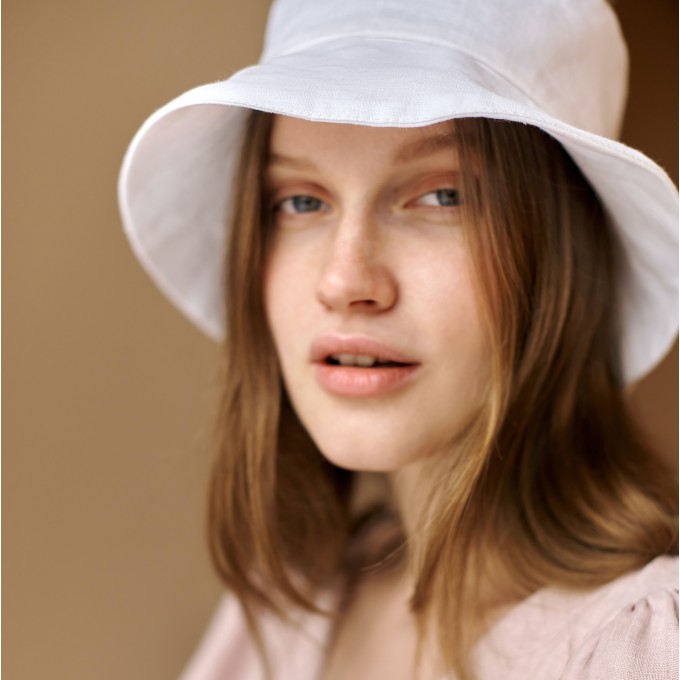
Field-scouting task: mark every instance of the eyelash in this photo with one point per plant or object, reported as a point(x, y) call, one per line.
point(451, 195)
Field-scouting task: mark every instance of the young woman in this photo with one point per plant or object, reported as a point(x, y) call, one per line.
point(439, 276)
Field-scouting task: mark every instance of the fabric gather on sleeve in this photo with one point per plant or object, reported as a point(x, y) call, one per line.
point(639, 643)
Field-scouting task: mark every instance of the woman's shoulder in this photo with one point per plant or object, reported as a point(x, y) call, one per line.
point(296, 648)
point(638, 634)
point(626, 629)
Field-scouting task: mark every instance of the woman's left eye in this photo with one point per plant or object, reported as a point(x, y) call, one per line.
point(300, 204)
point(442, 198)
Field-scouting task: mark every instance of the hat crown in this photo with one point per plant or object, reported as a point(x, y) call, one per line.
point(567, 56)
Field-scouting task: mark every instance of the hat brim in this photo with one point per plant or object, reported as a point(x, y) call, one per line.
point(176, 176)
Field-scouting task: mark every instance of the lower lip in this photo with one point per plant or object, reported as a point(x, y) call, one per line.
point(352, 381)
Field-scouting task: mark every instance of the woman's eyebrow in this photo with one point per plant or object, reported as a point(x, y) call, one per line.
point(409, 152)
point(423, 147)
point(295, 162)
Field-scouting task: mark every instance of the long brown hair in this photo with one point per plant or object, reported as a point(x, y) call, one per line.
point(555, 482)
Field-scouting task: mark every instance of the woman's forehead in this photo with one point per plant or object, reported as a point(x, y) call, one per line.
point(295, 138)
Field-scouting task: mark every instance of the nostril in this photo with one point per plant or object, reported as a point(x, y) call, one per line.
point(363, 303)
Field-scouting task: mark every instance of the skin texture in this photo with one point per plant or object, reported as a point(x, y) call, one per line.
point(375, 250)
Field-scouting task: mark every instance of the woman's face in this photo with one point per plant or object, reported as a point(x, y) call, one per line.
point(369, 290)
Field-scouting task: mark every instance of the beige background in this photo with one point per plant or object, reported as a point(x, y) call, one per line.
point(107, 390)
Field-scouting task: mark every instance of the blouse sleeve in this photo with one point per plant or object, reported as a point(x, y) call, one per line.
point(226, 650)
point(639, 643)
point(296, 648)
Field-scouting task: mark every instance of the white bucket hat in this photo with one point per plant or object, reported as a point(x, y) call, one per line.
point(560, 65)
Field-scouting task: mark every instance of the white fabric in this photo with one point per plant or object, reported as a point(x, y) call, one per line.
point(558, 64)
point(625, 630)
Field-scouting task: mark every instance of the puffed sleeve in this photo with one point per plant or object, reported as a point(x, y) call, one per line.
point(639, 643)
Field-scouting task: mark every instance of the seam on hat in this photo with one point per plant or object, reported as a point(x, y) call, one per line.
point(397, 37)
point(519, 84)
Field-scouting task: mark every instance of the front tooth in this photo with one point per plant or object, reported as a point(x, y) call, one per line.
point(362, 360)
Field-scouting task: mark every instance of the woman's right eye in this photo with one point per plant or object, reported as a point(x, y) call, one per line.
point(295, 205)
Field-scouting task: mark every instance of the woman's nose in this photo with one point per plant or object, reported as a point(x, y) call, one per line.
point(355, 275)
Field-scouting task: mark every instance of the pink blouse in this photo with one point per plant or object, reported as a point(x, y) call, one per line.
point(625, 630)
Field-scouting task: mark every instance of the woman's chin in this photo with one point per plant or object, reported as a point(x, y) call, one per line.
point(383, 457)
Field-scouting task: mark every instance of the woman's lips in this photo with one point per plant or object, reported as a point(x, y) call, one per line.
point(359, 381)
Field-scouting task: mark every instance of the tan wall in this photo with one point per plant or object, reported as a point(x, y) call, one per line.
point(107, 390)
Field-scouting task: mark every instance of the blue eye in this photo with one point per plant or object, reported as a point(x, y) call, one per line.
point(443, 198)
point(300, 204)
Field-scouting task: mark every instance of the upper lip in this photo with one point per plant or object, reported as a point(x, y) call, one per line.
point(329, 344)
